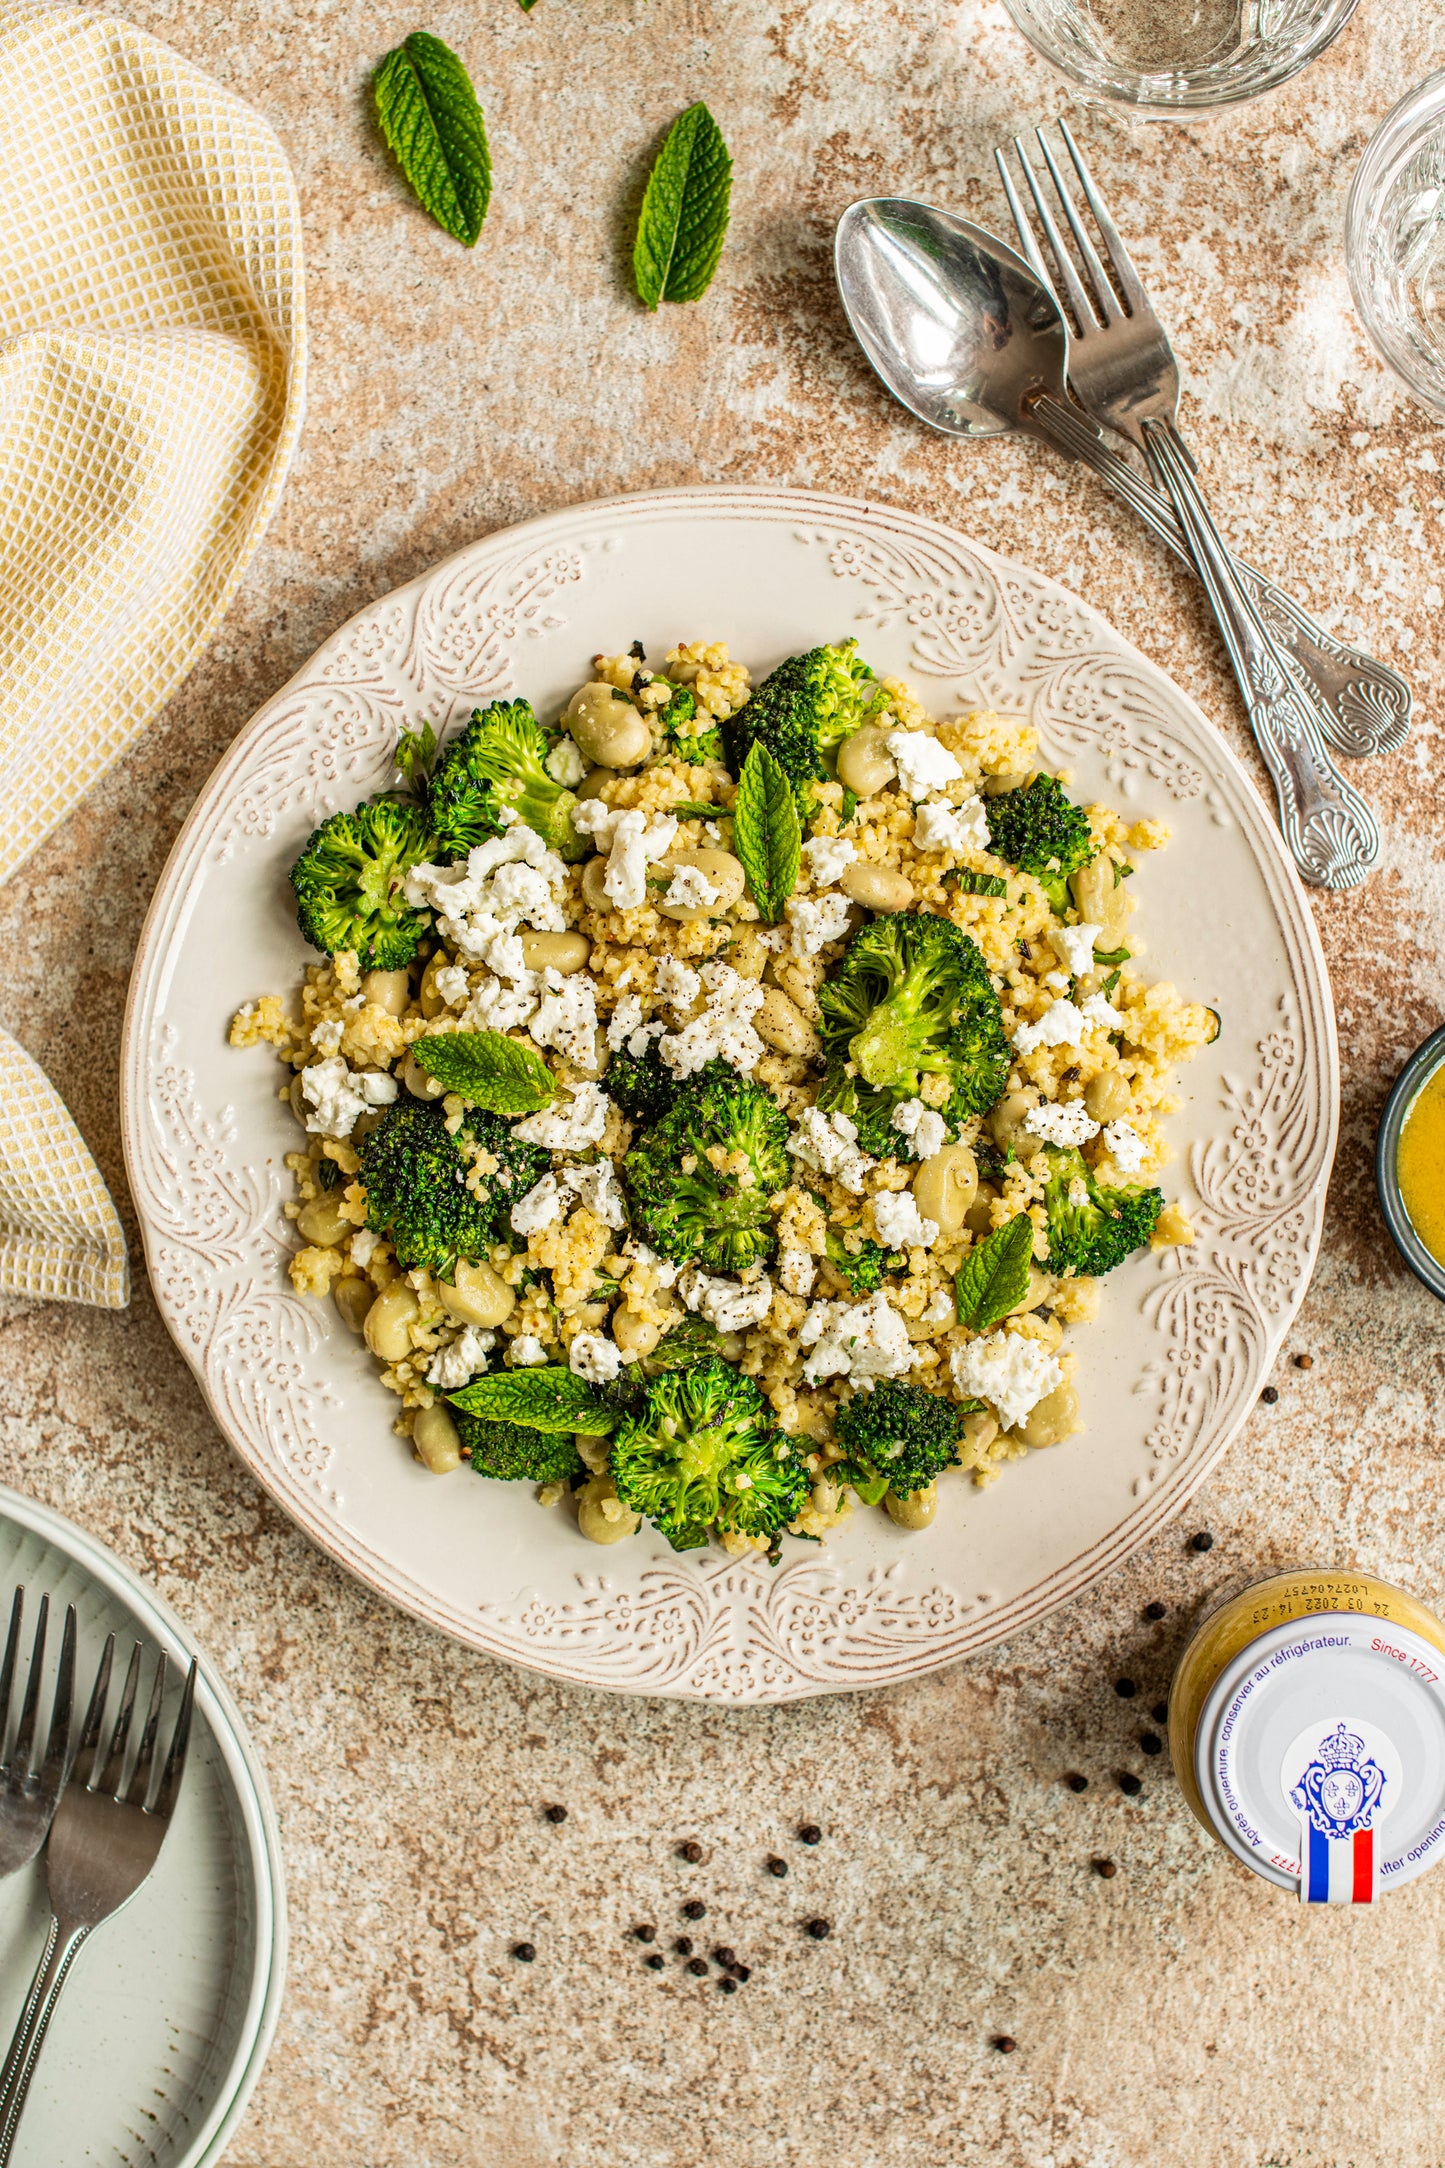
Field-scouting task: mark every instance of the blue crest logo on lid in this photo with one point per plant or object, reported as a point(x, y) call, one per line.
point(1341, 1787)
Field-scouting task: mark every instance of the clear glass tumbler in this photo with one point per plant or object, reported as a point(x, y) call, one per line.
point(1395, 240)
point(1170, 59)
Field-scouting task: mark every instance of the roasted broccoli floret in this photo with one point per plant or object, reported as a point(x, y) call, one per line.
point(499, 761)
point(689, 1207)
point(1041, 832)
point(898, 1438)
point(805, 710)
point(415, 1175)
point(349, 884)
point(514, 1453)
point(912, 999)
point(704, 1451)
point(862, 1269)
point(644, 1087)
point(1092, 1229)
point(692, 735)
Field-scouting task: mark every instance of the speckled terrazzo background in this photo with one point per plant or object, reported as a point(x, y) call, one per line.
point(1178, 2013)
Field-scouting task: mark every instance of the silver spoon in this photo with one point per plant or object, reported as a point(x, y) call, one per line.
point(966, 337)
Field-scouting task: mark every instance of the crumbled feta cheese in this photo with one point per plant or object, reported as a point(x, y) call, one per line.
point(505, 955)
point(335, 1097)
point(451, 983)
point(862, 1341)
point(452, 1366)
point(940, 826)
point(1062, 1024)
point(797, 1269)
point(925, 1129)
point(900, 1224)
point(507, 881)
point(495, 1007)
point(726, 1303)
point(827, 857)
point(528, 1351)
point(594, 817)
point(596, 1358)
point(565, 764)
point(1100, 1014)
point(1069, 1124)
point(691, 890)
point(816, 922)
point(828, 1142)
point(1126, 1147)
point(1058, 982)
point(675, 984)
point(724, 1031)
point(363, 1246)
point(941, 1310)
point(1074, 946)
point(637, 843)
point(377, 1088)
point(923, 764)
point(566, 1018)
point(626, 1019)
point(539, 1208)
point(1011, 1373)
point(597, 1188)
point(569, 1128)
point(326, 1036)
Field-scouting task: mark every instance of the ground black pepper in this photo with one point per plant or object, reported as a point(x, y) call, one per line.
point(1125, 1689)
point(1156, 1610)
point(691, 1851)
point(694, 1909)
point(1150, 1742)
point(697, 1966)
point(524, 1952)
point(1106, 1868)
point(819, 1929)
point(1129, 1784)
point(810, 1833)
point(1076, 1782)
point(776, 1865)
point(1203, 1541)
point(555, 1814)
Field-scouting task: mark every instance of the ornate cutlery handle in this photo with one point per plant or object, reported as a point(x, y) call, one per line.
point(62, 1946)
point(1330, 831)
point(1360, 705)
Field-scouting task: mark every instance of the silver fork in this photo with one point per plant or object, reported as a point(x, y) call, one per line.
point(1123, 372)
point(28, 1794)
point(104, 1841)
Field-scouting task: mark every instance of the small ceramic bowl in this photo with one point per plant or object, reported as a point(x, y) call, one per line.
point(1413, 1077)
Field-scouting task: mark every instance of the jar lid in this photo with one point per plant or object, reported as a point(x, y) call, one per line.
point(1320, 1756)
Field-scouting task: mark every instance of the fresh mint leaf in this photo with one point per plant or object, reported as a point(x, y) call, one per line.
point(695, 811)
point(766, 834)
point(994, 1278)
point(978, 884)
point(1112, 956)
point(684, 217)
point(848, 808)
point(434, 128)
point(550, 1399)
point(489, 1069)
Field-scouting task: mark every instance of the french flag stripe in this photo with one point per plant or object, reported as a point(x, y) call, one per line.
point(1340, 1871)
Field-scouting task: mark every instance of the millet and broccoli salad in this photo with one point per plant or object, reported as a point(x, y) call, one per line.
point(721, 1104)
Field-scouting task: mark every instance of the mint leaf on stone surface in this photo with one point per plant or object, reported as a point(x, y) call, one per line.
point(684, 217)
point(434, 128)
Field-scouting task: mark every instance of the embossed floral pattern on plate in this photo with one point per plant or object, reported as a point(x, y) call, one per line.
point(1188, 1336)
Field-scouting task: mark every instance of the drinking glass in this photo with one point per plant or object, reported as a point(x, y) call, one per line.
point(1395, 240)
point(1170, 59)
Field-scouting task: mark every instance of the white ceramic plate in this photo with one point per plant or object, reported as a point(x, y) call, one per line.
point(166, 2020)
point(1187, 1337)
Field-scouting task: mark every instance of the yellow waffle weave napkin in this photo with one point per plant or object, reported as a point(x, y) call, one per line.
point(152, 380)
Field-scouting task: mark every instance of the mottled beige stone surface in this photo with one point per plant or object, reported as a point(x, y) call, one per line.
point(1180, 2013)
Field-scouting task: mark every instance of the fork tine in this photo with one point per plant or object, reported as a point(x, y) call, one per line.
point(1028, 241)
point(25, 1736)
point(1107, 302)
point(7, 1668)
point(175, 1767)
point(57, 1746)
point(1129, 282)
point(115, 1760)
point(1085, 310)
point(140, 1782)
point(84, 1763)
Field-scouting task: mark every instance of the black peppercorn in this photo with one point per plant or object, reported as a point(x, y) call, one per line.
point(555, 1814)
point(683, 1946)
point(1106, 1868)
point(694, 1909)
point(1004, 2044)
point(645, 1933)
point(656, 1961)
point(728, 1987)
point(1076, 1782)
point(1160, 1712)
point(810, 1833)
point(724, 1956)
point(1130, 1785)
point(697, 1966)
point(741, 1972)
point(1156, 1610)
point(776, 1865)
point(820, 1929)
point(1125, 1689)
point(1270, 1395)
point(1150, 1742)
point(524, 1952)
point(1202, 1542)
point(692, 1851)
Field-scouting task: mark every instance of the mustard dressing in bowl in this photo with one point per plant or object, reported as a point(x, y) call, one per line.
point(1410, 1163)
